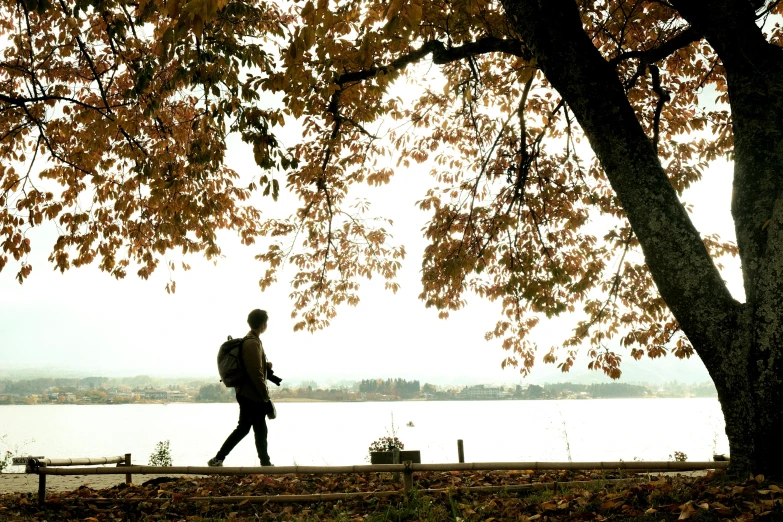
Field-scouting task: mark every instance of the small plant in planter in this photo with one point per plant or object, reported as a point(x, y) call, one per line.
point(386, 444)
point(380, 451)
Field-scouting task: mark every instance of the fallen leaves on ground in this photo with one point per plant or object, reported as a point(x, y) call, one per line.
point(653, 498)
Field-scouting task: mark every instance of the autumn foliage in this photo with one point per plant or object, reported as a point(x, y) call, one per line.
point(560, 136)
point(521, 211)
point(113, 118)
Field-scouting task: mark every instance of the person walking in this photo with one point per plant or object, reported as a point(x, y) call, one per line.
point(252, 394)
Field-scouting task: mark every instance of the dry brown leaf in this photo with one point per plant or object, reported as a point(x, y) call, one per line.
point(721, 509)
point(687, 511)
point(611, 504)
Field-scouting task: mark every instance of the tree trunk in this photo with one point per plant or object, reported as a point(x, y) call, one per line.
point(740, 344)
point(748, 376)
point(751, 405)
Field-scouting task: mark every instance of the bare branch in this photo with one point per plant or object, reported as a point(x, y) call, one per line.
point(663, 97)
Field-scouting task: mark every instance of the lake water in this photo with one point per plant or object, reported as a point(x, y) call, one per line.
point(340, 433)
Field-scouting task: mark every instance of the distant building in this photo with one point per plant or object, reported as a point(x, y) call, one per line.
point(176, 395)
point(480, 392)
point(165, 395)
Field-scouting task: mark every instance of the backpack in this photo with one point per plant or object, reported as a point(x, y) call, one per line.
point(229, 360)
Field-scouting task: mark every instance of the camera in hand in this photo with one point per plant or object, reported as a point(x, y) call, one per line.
point(270, 376)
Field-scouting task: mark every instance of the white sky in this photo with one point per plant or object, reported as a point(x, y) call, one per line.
point(85, 321)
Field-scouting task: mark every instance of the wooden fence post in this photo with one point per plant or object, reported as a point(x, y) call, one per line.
point(460, 451)
point(407, 476)
point(128, 476)
point(41, 486)
point(396, 460)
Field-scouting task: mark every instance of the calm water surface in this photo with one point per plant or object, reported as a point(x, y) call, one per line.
point(339, 433)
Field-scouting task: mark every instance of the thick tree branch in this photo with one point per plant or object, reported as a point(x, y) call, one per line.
point(754, 70)
point(441, 55)
point(754, 75)
point(767, 10)
point(23, 101)
point(679, 263)
point(730, 28)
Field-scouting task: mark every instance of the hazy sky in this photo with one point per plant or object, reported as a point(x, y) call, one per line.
point(84, 321)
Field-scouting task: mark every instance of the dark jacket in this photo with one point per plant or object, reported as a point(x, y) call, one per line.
point(254, 385)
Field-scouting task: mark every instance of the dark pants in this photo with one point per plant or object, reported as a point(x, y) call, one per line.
point(251, 414)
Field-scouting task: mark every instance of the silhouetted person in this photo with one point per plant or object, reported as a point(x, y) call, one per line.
point(252, 394)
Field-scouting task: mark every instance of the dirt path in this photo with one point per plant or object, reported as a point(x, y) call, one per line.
point(25, 483)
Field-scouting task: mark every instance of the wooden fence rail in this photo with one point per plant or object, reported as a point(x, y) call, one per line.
point(44, 467)
point(388, 468)
point(79, 462)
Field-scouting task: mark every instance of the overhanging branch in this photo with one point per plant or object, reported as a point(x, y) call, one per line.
point(680, 40)
point(441, 55)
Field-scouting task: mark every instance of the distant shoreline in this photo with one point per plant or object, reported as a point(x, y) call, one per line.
point(296, 399)
point(305, 400)
point(100, 390)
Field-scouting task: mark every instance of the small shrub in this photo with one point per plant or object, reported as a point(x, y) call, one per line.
point(5, 461)
point(5, 456)
point(162, 454)
point(678, 456)
point(386, 444)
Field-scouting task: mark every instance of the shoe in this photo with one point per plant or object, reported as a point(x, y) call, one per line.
point(215, 462)
point(268, 464)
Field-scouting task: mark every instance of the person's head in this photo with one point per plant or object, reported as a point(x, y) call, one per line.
point(257, 320)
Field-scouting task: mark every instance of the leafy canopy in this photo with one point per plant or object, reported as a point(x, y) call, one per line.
point(113, 118)
point(131, 103)
point(522, 213)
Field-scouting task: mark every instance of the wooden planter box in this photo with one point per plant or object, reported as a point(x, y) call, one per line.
point(387, 457)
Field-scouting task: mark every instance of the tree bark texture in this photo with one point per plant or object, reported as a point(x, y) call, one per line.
point(740, 344)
